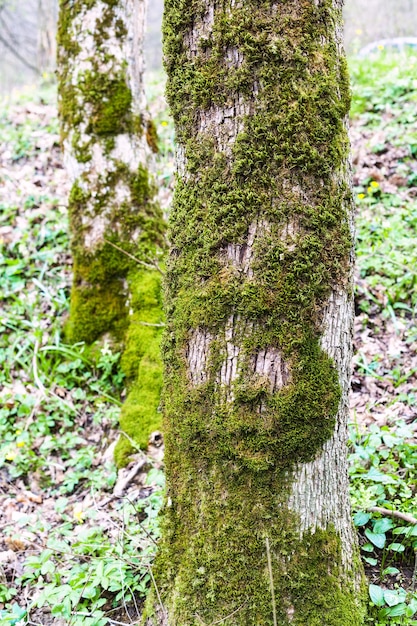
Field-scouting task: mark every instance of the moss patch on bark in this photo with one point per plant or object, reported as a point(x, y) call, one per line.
point(142, 364)
point(285, 169)
point(218, 570)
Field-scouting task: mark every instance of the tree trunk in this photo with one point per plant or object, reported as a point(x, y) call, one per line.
point(257, 527)
point(116, 224)
point(46, 39)
point(108, 141)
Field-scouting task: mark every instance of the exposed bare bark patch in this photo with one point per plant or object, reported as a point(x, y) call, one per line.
point(197, 355)
point(240, 256)
point(223, 124)
point(202, 29)
point(269, 365)
point(320, 488)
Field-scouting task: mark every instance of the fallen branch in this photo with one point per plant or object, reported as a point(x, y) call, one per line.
point(120, 487)
point(405, 517)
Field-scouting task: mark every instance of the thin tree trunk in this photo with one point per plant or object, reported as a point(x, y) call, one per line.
point(46, 35)
point(257, 527)
point(117, 227)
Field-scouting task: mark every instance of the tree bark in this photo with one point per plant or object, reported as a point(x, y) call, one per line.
point(117, 227)
point(257, 528)
point(108, 141)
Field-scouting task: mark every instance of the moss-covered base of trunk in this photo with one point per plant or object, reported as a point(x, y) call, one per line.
point(142, 364)
point(129, 313)
point(114, 296)
point(213, 563)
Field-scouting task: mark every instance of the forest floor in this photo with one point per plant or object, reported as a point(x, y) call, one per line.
point(78, 536)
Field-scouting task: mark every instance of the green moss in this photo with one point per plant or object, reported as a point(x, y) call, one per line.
point(100, 275)
point(121, 30)
point(142, 364)
point(101, 91)
point(111, 99)
point(140, 186)
point(219, 566)
point(152, 136)
point(230, 462)
point(96, 310)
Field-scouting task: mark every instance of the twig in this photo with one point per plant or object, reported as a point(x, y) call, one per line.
point(73, 613)
point(111, 621)
point(19, 56)
point(152, 266)
point(271, 580)
point(406, 517)
point(157, 591)
point(119, 488)
point(131, 441)
point(43, 390)
point(161, 325)
point(38, 381)
point(223, 619)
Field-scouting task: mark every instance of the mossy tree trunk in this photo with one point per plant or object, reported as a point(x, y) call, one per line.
point(257, 528)
point(117, 227)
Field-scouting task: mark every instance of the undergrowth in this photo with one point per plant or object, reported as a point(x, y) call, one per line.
point(70, 548)
point(383, 456)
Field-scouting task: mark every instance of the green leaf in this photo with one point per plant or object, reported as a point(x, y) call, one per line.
point(393, 597)
point(412, 606)
point(378, 539)
point(379, 477)
point(389, 440)
point(367, 547)
point(390, 571)
point(396, 547)
point(382, 525)
point(361, 518)
point(370, 560)
point(396, 611)
point(376, 594)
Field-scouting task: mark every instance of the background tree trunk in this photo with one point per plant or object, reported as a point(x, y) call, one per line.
point(257, 526)
point(116, 225)
point(46, 35)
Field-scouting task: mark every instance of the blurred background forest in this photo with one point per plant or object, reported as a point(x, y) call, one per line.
point(27, 33)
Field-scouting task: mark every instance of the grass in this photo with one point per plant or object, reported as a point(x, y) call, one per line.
point(86, 562)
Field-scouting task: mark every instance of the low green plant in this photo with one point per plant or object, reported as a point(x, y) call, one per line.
point(385, 79)
point(383, 478)
point(82, 575)
point(387, 256)
point(58, 415)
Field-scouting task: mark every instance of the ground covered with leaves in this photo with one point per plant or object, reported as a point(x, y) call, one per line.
point(78, 536)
